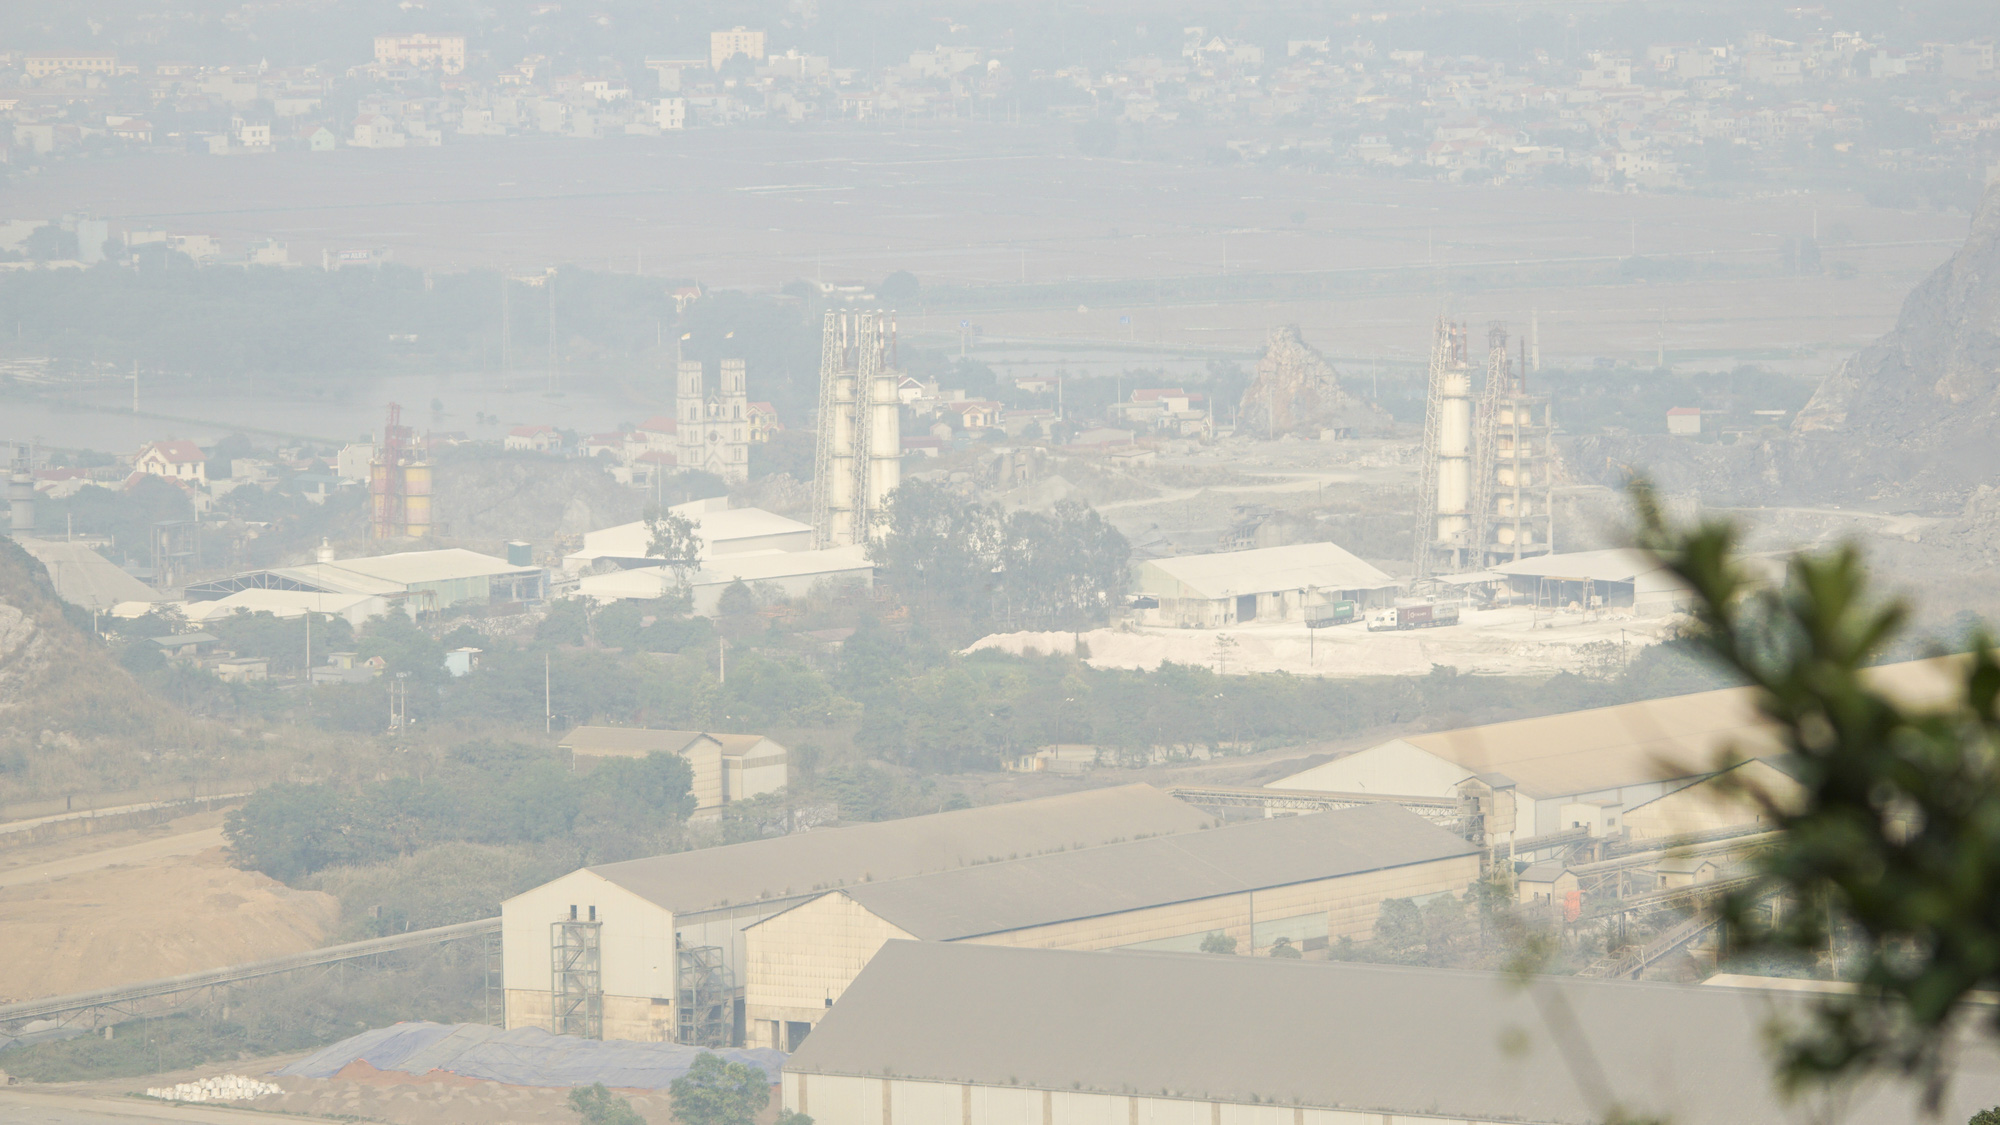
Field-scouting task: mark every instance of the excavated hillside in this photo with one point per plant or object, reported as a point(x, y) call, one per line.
point(71, 718)
point(1907, 423)
point(1913, 417)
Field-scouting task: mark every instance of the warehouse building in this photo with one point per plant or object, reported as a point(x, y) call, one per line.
point(415, 581)
point(1266, 584)
point(1584, 769)
point(653, 949)
point(723, 530)
point(946, 1033)
point(1301, 880)
point(1620, 577)
point(727, 767)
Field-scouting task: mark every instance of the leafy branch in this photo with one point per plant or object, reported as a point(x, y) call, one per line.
point(1897, 840)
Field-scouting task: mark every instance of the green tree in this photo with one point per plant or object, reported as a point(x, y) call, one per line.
point(938, 550)
point(1985, 1117)
point(1063, 569)
point(671, 536)
point(289, 831)
point(1896, 845)
point(717, 1092)
point(1218, 942)
point(597, 1105)
point(1283, 949)
point(899, 290)
point(1399, 927)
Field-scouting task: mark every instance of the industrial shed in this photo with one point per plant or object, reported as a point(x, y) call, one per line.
point(1615, 578)
point(727, 767)
point(955, 1034)
point(1582, 768)
point(418, 581)
point(1266, 584)
point(1730, 799)
point(723, 531)
point(1304, 879)
point(653, 949)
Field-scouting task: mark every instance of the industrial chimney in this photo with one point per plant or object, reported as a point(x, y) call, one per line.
point(21, 496)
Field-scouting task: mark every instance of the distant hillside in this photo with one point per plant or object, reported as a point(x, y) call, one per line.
point(1908, 421)
point(71, 718)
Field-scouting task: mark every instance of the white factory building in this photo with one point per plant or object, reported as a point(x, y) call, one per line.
point(654, 948)
point(413, 581)
point(1264, 584)
point(749, 545)
point(935, 1033)
point(1587, 769)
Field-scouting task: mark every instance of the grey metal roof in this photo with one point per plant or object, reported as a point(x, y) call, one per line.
point(1252, 855)
point(791, 867)
point(1362, 1038)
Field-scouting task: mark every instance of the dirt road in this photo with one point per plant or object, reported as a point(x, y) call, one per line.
point(164, 847)
point(26, 1107)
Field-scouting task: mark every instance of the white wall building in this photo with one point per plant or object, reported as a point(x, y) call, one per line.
point(945, 1033)
point(659, 919)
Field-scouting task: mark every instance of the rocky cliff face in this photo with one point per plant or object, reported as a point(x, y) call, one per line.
point(1296, 389)
point(1915, 416)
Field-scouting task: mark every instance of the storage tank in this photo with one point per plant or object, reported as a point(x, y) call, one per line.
point(1454, 479)
point(417, 499)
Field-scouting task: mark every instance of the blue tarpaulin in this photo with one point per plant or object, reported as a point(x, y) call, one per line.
point(526, 1056)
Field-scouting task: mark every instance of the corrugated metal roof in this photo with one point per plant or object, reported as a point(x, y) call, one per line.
point(1253, 855)
point(1631, 743)
point(626, 740)
point(788, 867)
point(85, 578)
point(1429, 1043)
point(641, 740)
point(760, 566)
point(1300, 566)
point(1618, 564)
point(444, 565)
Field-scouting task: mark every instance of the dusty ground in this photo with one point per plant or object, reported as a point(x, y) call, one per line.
point(384, 1096)
point(69, 854)
point(152, 918)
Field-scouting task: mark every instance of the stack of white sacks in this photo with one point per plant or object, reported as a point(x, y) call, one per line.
point(222, 1088)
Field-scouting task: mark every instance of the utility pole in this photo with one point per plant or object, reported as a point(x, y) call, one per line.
point(548, 708)
point(552, 332)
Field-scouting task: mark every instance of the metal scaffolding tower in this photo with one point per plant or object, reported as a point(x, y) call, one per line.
point(1515, 461)
point(576, 991)
point(858, 458)
point(831, 347)
point(703, 1000)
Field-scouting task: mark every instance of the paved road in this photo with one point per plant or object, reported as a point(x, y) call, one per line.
point(24, 1107)
point(186, 843)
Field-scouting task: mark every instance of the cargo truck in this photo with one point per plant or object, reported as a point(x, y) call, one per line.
point(1330, 613)
point(1425, 616)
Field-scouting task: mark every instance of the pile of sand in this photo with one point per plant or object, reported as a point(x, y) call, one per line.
point(121, 925)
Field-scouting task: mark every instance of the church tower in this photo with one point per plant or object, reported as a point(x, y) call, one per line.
point(713, 431)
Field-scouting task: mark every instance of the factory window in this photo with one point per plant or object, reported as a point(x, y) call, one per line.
point(593, 914)
point(572, 912)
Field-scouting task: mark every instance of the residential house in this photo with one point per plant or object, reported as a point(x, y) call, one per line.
point(179, 460)
point(541, 439)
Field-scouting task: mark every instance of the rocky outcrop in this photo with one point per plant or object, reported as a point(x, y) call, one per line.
point(1915, 416)
point(1297, 389)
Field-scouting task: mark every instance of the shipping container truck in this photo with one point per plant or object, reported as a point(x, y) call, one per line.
point(1425, 616)
point(1330, 613)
